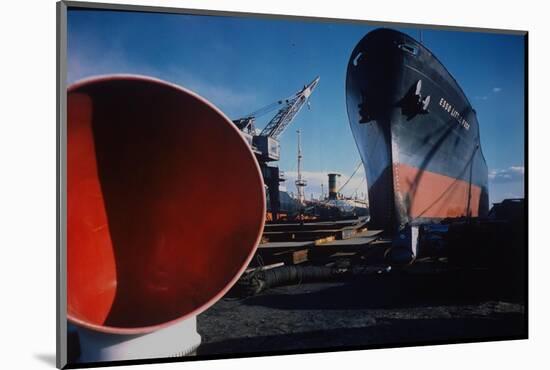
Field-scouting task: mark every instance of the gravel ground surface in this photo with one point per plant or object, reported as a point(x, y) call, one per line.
point(374, 310)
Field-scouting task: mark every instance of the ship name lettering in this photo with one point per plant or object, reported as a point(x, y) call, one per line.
point(454, 113)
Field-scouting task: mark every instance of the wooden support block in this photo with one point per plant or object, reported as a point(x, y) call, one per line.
point(292, 257)
point(300, 256)
point(325, 240)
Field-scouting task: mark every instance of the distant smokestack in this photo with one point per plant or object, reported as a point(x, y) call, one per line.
point(333, 185)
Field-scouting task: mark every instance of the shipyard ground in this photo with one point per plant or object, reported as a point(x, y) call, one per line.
point(425, 303)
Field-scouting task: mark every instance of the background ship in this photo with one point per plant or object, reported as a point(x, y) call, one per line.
point(417, 134)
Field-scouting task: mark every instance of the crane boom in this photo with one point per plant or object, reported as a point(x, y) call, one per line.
point(286, 114)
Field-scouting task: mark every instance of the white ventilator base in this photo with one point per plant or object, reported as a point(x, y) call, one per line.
point(180, 339)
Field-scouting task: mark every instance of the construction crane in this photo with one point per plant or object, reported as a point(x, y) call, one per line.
point(266, 143)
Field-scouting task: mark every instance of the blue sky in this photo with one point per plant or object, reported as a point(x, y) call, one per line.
point(243, 64)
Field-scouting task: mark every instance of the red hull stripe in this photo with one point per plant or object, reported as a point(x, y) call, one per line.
point(432, 195)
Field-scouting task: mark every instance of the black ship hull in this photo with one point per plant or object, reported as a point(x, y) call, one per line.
point(416, 131)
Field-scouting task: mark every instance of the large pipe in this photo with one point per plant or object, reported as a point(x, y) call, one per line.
point(165, 200)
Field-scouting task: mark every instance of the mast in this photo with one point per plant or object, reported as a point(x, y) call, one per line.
point(300, 183)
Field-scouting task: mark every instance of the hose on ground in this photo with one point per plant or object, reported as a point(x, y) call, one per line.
point(290, 275)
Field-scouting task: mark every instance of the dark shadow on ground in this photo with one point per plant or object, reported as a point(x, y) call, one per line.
point(396, 290)
point(385, 332)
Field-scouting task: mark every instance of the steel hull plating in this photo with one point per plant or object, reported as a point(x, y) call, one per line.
point(417, 134)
